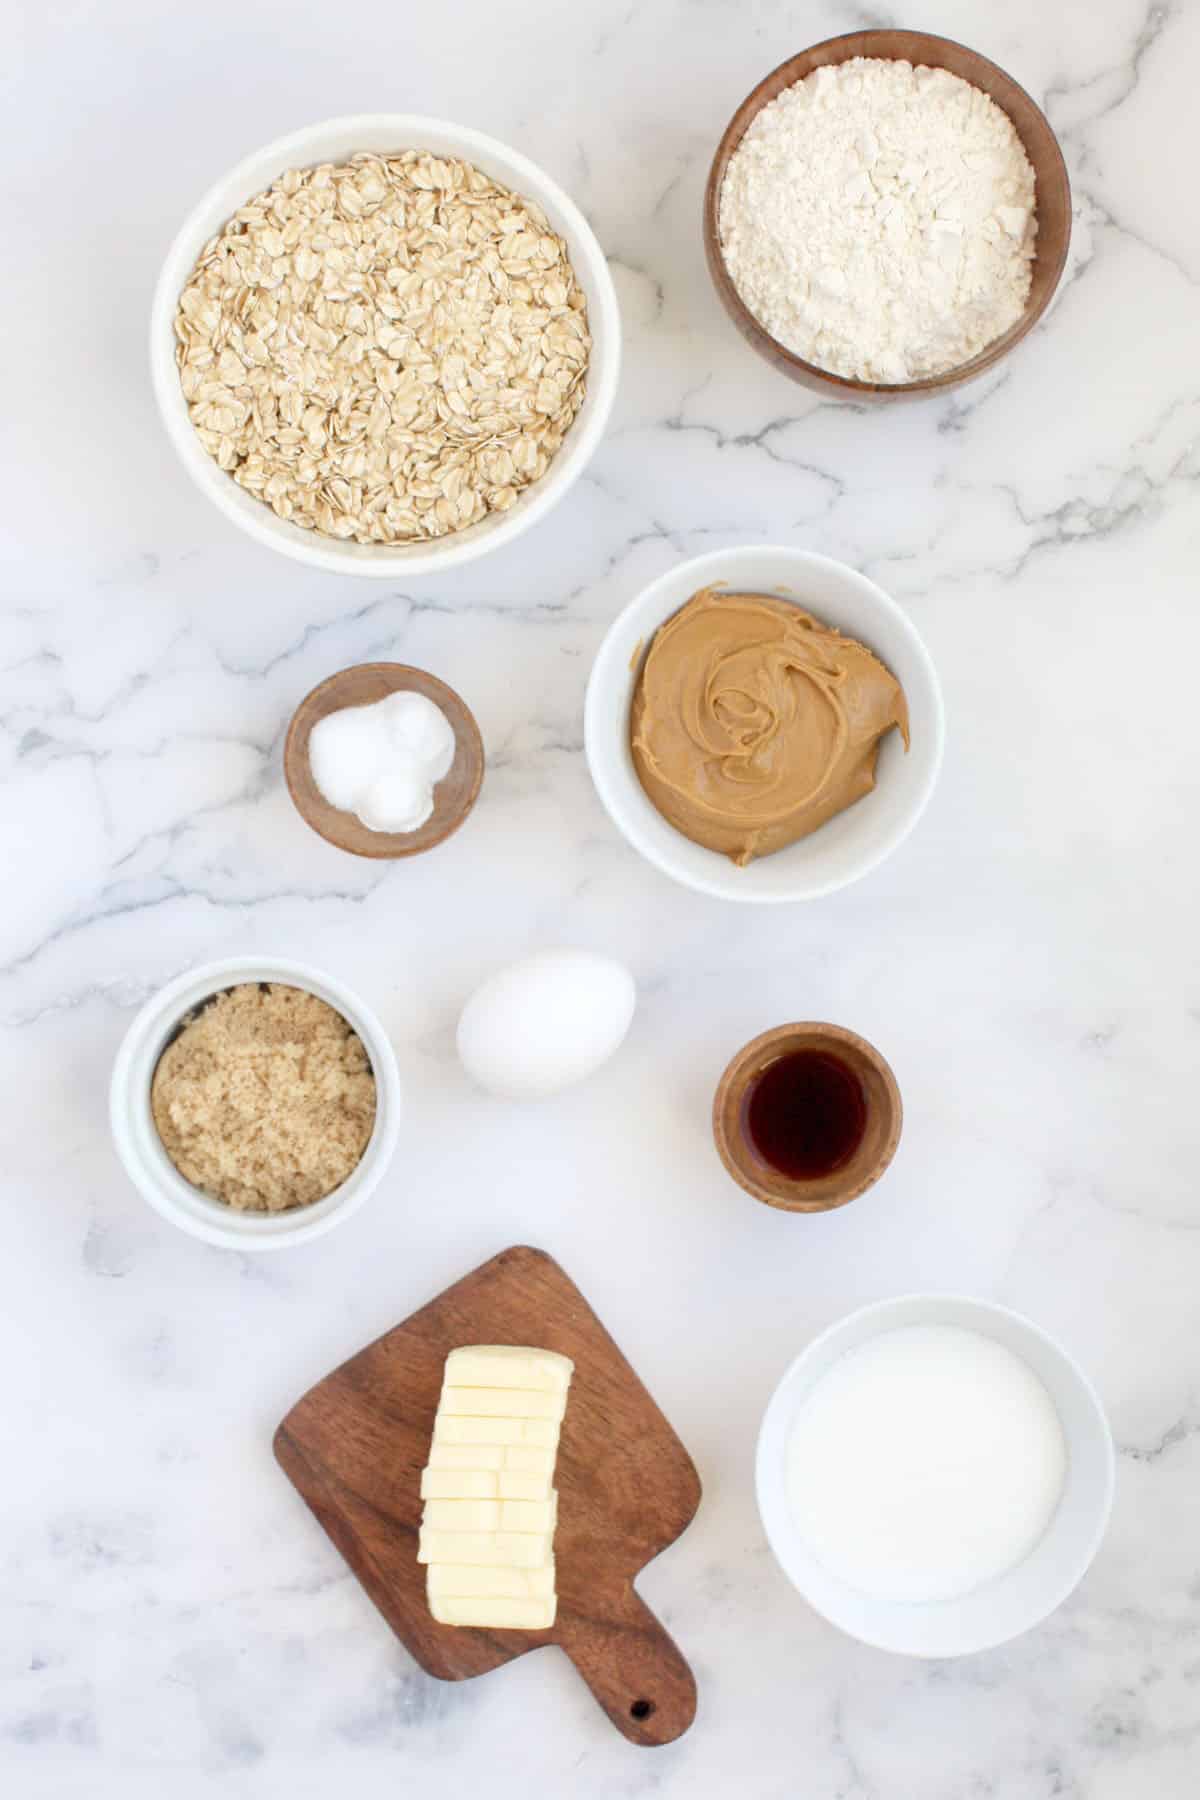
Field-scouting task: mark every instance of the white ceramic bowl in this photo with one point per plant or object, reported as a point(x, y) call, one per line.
point(335, 140)
point(147, 1163)
point(1015, 1601)
point(851, 844)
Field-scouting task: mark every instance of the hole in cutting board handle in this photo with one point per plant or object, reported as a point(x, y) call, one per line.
point(641, 1709)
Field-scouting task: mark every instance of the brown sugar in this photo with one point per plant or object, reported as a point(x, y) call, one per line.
point(266, 1099)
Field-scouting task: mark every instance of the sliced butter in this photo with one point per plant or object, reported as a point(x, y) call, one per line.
point(474, 1579)
point(459, 1429)
point(508, 1366)
point(490, 1509)
point(502, 1403)
point(519, 1549)
point(495, 1611)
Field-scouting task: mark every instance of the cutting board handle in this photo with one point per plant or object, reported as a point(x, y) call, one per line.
point(633, 1667)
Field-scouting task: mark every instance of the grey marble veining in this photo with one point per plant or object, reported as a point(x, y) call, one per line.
point(172, 1620)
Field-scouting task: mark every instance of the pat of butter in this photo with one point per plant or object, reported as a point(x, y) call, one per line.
point(515, 1486)
point(508, 1366)
point(461, 1515)
point(458, 1429)
point(491, 1515)
point(524, 1459)
point(460, 1484)
point(530, 1459)
point(471, 1456)
point(495, 1611)
point(482, 1484)
point(502, 1403)
point(530, 1515)
point(474, 1580)
point(518, 1549)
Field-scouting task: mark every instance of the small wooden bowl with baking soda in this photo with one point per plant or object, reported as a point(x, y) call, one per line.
point(454, 795)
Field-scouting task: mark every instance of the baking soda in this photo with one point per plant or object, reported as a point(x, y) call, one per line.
point(384, 760)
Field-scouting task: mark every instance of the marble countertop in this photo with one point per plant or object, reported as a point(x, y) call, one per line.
point(173, 1621)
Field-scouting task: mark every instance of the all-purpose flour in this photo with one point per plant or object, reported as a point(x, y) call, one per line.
point(878, 219)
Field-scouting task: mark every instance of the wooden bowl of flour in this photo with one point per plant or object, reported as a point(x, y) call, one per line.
point(1053, 203)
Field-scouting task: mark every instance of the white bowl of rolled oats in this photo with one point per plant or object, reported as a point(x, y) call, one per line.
point(385, 345)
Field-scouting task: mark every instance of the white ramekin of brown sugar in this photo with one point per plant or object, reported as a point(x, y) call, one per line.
point(141, 1148)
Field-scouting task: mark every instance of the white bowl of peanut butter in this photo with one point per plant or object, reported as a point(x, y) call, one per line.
point(764, 724)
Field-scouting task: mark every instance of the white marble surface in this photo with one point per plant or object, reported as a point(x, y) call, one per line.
point(171, 1619)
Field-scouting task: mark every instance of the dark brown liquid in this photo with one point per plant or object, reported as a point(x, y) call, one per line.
point(806, 1114)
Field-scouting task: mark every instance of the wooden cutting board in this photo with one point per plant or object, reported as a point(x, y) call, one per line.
point(356, 1443)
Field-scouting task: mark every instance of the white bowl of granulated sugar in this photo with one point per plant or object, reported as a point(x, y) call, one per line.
point(933, 260)
point(934, 1474)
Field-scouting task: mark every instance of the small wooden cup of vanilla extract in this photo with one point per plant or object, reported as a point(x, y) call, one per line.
point(807, 1117)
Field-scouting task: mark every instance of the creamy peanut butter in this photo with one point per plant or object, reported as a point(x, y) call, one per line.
point(753, 723)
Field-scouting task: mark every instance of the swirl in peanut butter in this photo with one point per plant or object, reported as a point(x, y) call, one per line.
point(753, 723)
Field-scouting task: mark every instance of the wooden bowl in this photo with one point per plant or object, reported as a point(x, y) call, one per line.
point(1053, 199)
point(880, 1137)
point(454, 795)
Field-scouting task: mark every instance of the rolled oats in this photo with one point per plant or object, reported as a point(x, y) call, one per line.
point(386, 349)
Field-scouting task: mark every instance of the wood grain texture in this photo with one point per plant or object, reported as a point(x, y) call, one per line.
point(356, 1443)
point(454, 795)
point(885, 1118)
point(1041, 147)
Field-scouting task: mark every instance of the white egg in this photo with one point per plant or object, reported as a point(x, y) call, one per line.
point(545, 1022)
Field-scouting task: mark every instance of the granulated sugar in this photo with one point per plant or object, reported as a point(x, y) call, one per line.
point(924, 1463)
point(878, 219)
